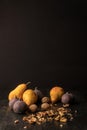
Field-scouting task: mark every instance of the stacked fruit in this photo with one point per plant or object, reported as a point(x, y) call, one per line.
point(23, 98)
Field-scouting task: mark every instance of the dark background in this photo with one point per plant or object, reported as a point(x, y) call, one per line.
point(43, 41)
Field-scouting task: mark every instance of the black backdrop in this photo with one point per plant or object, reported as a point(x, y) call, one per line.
point(43, 41)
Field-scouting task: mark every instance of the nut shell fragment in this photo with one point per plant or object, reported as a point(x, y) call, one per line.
point(63, 119)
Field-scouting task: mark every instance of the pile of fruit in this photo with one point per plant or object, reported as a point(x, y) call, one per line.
point(40, 108)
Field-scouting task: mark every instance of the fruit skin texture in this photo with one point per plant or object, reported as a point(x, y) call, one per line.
point(39, 93)
point(17, 92)
point(11, 103)
point(56, 93)
point(67, 98)
point(30, 97)
point(19, 106)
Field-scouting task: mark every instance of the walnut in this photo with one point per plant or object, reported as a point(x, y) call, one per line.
point(45, 106)
point(33, 108)
point(16, 121)
point(45, 100)
point(63, 119)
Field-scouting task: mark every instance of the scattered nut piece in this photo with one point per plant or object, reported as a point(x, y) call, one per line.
point(55, 104)
point(57, 118)
point(65, 105)
point(49, 119)
point(38, 122)
point(50, 113)
point(61, 125)
point(69, 115)
point(33, 119)
point(63, 119)
point(61, 114)
point(24, 118)
point(25, 127)
point(60, 109)
point(75, 111)
point(16, 121)
point(71, 118)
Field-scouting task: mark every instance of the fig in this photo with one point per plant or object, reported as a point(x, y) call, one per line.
point(67, 98)
point(11, 103)
point(19, 106)
point(39, 93)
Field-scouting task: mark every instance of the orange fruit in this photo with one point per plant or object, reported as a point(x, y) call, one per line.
point(56, 93)
point(30, 97)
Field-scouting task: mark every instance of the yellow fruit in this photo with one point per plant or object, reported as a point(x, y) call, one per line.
point(18, 91)
point(30, 97)
point(56, 93)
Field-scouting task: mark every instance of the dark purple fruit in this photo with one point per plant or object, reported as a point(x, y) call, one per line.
point(38, 93)
point(71, 95)
point(11, 103)
point(19, 107)
point(67, 98)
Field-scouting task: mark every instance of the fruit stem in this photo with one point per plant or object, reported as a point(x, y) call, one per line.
point(36, 88)
point(28, 83)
